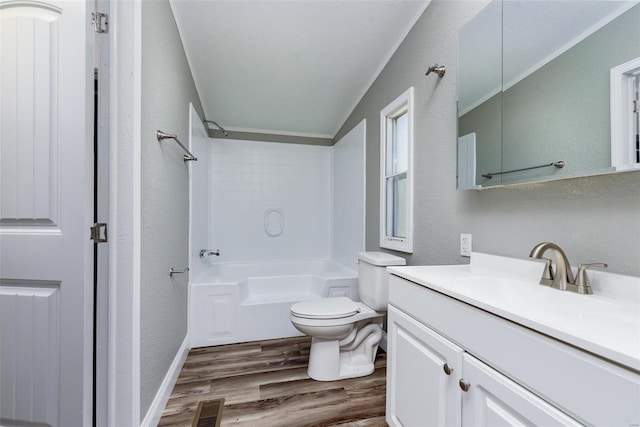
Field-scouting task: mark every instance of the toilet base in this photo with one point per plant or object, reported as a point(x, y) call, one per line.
point(331, 360)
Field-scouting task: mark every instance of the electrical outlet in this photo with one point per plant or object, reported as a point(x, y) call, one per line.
point(465, 244)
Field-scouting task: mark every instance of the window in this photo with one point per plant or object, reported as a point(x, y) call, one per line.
point(625, 115)
point(396, 165)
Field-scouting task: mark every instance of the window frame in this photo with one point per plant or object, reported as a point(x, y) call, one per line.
point(387, 116)
point(622, 116)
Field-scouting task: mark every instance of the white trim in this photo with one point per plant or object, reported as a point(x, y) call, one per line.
point(102, 174)
point(164, 392)
point(124, 213)
point(622, 128)
point(364, 184)
point(406, 244)
point(332, 201)
point(383, 65)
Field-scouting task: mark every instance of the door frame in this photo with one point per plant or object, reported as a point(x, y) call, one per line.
point(101, 207)
point(124, 212)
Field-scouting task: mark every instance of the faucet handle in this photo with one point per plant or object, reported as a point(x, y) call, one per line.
point(583, 286)
point(547, 274)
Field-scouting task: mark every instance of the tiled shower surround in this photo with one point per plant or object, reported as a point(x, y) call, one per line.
point(248, 179)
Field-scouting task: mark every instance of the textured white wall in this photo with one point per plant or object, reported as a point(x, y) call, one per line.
point(593, 219)
point(248, 178)
point(348, 197)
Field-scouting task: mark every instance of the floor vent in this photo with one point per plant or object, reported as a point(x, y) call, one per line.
point(209, 413)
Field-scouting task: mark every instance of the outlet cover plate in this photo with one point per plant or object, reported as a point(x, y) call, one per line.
point(465, 244)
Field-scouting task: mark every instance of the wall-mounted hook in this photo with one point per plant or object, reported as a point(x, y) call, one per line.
point(438, 69)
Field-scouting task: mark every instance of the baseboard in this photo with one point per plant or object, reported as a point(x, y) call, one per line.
point(162, 396)
point(383, 341)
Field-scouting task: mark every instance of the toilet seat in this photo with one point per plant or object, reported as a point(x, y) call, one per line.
point(363, 313)
point(325, 308)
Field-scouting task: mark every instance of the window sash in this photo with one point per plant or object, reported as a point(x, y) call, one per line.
point(396, 188)
point(398, 142)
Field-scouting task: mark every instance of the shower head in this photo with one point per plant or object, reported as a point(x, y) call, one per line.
point(224, 132)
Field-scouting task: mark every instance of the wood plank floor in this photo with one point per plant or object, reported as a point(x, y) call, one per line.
point(265, 383)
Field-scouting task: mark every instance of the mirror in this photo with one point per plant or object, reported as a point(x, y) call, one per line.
point(545, 91)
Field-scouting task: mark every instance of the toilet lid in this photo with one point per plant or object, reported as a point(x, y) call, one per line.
point(325, 308)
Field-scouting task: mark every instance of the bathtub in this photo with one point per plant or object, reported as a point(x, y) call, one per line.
point(249, 301)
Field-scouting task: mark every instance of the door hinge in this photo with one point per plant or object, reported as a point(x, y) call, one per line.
point(100, 22)
point(636, 107)
point(96, 234)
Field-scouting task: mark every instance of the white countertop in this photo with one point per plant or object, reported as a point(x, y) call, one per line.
point(606, 323)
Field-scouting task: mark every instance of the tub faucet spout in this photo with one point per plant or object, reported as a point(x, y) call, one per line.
point(209, 252)
point(562, 276)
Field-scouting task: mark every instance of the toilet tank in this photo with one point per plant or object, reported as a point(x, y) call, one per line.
point(373, 279)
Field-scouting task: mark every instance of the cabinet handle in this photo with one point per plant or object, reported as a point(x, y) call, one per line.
point(464, 385)
point(447, 369)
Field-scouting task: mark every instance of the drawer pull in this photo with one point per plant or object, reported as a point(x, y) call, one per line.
point(464, 385)
point(447, 369)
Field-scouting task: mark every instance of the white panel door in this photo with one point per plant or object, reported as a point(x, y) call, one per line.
point(494, 400)
point(46, 196)
point(422, 367)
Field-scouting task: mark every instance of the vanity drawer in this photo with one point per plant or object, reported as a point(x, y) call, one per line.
point(580, 384)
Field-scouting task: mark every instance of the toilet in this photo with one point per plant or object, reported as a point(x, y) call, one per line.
point(345, 333)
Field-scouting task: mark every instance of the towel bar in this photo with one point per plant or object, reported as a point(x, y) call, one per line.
point(186, 157)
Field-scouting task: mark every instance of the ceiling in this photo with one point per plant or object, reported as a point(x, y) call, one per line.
point(289, 67)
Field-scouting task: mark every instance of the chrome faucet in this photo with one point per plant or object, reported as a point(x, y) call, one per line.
point(562, 278)
point(209, 252)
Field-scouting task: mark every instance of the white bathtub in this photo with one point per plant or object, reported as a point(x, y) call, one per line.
point(239, 302)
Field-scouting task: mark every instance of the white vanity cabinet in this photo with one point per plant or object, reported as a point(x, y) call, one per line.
point(421, 370)
point(492, 399)
point(512, 374)
point(427, 375)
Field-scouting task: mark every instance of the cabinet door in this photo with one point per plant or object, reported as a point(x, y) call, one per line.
point(420, 392)
point(494, 400)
